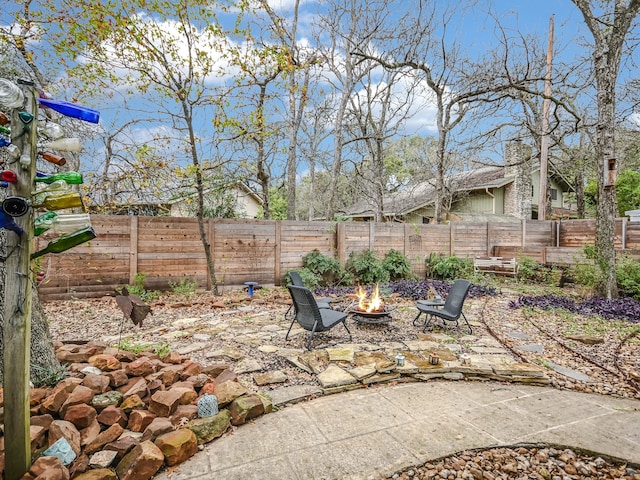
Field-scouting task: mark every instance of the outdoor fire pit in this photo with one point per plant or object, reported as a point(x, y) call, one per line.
point(371, 310)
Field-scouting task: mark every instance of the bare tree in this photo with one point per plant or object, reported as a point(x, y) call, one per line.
point(610, 24)
point(169, 53)
point(343, 28)
point(297, 64)
point(458, 88)
point(377, 111)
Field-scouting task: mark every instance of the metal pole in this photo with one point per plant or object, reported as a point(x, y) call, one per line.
point(544, 140)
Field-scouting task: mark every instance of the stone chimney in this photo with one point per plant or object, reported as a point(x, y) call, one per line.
point(518, 165)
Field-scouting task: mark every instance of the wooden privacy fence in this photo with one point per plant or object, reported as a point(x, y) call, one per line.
point(168, 249)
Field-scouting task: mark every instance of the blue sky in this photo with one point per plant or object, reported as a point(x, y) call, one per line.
point(526, 16)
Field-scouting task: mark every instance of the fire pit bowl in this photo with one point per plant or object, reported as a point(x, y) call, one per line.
point(373, 318)
point(370, 309)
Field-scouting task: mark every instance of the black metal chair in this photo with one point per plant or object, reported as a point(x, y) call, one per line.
point(451, 311)
point(310, 316)
point(296, 279)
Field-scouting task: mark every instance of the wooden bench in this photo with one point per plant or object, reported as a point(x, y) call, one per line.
point(496, 265)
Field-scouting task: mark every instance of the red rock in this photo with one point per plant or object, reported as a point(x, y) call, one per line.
point(105, 362)
point(164, 403)
point(139, 420)
point(157, 427)
point(79, 465)
point(225, 376)
point(138, 388)
point(80, 394)
point(97, 474)
point(141, 463)
point(41, 420)
point(109, 435)
point(74, 357)
point(131, 381)
point(187, 394)
point(208, 387)
point(37, 395)
point(62, 428)
point(122, 445)
point(121, 355)
point(52, 403)
point(111, 415)
point(190, 369)
point(88, 435)
point(188, 412)
point(172, 357)
point(177, 446)
point(97, 383)
point(154, 385)
point(170, 374)
point(134, 402)
point(48, 468)
point(216, 369)
point(198, 380)
point(117, 378)
point(37, 437)
point(139, 368)
point(81, 415)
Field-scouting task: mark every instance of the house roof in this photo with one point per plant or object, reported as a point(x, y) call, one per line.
point(423, 194)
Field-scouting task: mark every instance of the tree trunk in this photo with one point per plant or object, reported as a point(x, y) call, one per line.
point(44, 363)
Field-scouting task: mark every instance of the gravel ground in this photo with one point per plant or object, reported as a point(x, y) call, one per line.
point(612, 365)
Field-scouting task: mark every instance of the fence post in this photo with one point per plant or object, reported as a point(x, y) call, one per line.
point(212, 248)
point(372, 235)
point(277, 256)
point(18, 299)
point(451, 239)
point(341, 248)
point(133, 249)
point(487, 233)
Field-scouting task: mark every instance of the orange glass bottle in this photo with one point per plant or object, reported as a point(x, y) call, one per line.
point(53, 158)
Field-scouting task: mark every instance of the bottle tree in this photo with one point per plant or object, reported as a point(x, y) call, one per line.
point(17, 216)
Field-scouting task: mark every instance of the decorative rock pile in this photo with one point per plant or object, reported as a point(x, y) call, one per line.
point(123, 416)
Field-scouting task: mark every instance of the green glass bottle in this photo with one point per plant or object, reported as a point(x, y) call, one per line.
point(63, 224)
point(66, 242)
point(59, 201)
point(72, 178)
point(42, 223)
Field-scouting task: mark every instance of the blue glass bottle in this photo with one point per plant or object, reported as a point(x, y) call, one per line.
point(71, 109)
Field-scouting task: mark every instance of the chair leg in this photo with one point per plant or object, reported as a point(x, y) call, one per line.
point(427, 322)
point(313, 331)
point(468, 325)
point(347, 329)
point(286, 337)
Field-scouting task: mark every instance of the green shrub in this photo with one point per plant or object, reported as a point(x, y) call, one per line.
point(628, 277)
point(138, 288)
point(322, 270)
point(448, 267)
point(583, 274)
point(185, 287)
point(160, 349)
point(310, 279)
point(398, 265)
point(48, 377)
point(367, 268)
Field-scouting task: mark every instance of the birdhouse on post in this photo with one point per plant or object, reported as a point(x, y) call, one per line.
point(610, 172)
